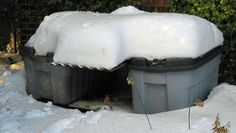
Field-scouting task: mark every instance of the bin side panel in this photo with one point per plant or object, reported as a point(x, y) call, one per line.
point(155, 99)
point(63, 87)
point(29, 71)
point(42, 77)
point(62, 84)
point(137, 91)
point(154, 78)
point(187, 86)
point(158, 92)
point(149, 92)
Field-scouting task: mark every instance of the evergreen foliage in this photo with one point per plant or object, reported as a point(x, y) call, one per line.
point(223, 14)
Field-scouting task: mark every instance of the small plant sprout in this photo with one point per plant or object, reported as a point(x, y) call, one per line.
point(107, 100)
point(218, 128)
point(199, 103)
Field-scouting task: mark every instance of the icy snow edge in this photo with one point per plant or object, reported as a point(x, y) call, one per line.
point(105, 40)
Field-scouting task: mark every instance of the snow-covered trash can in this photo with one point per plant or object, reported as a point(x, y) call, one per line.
point(169, 84)
point(61, 84)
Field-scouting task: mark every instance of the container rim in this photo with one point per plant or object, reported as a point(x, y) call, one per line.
point(142, 64)
point(173, 64)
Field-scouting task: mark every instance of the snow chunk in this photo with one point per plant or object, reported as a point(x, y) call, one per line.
point(86, 24)
point(31, 100)
point(35, 114)
point(49, 104)
point(93, 117)
point(59, 126)
point(105, 40)
point(127, 10)
point(62, 124)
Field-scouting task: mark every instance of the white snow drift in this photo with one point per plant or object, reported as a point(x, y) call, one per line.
point(104, 40)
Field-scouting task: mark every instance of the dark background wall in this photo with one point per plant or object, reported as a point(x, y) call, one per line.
point(31, 14)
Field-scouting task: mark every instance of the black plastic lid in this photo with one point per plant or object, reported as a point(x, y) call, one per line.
point(164, 65)
point(172, 64)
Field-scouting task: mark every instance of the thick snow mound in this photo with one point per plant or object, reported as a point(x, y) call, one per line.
point(105, 40)
point(127, 10)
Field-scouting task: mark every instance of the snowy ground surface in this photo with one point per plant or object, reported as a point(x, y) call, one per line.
point(20, 113)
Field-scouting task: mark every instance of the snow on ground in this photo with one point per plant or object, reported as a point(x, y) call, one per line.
point(20, 113)
point(105, 40)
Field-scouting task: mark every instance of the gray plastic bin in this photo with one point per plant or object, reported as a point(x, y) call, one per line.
point(163, 85)
point(61, 84)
